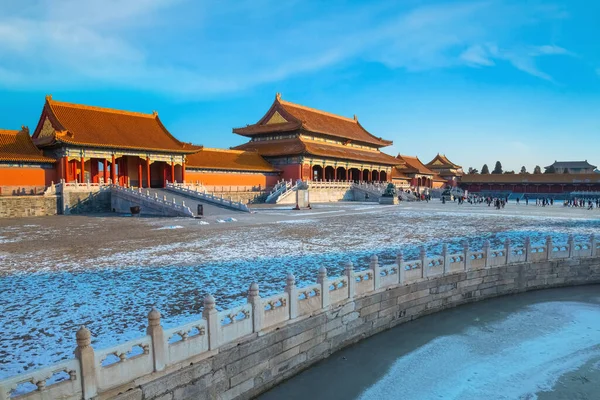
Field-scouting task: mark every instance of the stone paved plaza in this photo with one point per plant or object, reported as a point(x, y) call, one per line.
point(106, 271)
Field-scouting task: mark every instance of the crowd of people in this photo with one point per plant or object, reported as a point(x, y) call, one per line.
point(501, 202)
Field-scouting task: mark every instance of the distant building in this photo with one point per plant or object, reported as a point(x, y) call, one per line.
point(410, 171)
point(445, 168)
point(571, 167)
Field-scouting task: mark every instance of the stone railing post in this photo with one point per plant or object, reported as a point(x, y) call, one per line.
point(85, 354)
point(571, 245)
point(257, 308)
point(349, 268)
point(527, 249)
point(424, 263)
point(401, 270)
point(211, 315)
point(374, 265)
point(592, 245)
point(155, 331)
point(507, 250)
point(466, 255)
point(324, 281)
point(549, 247)
point(446, 258)
point(292, 291)
point(486, 252)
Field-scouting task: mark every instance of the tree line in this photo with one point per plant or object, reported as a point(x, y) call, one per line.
point(498, 170)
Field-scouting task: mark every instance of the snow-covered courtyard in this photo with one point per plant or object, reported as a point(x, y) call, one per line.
point(57, 273)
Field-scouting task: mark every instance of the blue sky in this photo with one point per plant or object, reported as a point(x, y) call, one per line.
point(515, 81)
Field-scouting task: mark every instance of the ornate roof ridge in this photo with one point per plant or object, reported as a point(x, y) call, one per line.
point(225, 150)
point(52, 102)
point(289, 103)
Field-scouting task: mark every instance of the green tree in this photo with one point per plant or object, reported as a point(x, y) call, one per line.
point(523, 170)
point(497, 168)
point(537, 170)
point(485, 170)
point(550, 170)
point(472, 171)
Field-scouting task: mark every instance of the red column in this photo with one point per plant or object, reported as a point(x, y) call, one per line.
point(66, 168)
point(334, 173)
point(183, 172)
point(82, 170)
point(148, 171)
point(172, 172)
point(113, 175)
point(105, 170)
point(140, 174)
point(74, 168)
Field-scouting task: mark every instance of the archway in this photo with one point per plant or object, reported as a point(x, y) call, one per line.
point(354, 174)
point(329, 173)
point(365, 176)
point(383, 176)
point(317, 173)
point(375, 176)
point(341, 174)
point(419, 182)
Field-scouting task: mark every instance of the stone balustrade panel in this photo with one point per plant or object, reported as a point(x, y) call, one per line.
point(477, 260)
point(276, 309)
point(435, 266)
point(517, 255)
point(496, 257)
point(364, 282)
point(389, 276)
point(186, 341)
point(338, 289)
point(581, 250)
point(537, 254)
point(124, 363)
point(412, 270)
point(235, 323)
point(456, 263)
point(309, 299)
point(559, 251)
point(59, 381)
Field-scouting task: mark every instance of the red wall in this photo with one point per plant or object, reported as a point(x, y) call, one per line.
point(232, 179)
point(28, 178)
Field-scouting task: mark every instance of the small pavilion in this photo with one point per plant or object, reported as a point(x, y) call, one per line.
point(97, 144)
point(310, 144)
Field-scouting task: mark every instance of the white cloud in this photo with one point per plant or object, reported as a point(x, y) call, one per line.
point(477, 55)
point(191, 48)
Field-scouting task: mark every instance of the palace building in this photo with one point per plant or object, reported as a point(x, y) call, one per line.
point(97, 144)
point(309, 144)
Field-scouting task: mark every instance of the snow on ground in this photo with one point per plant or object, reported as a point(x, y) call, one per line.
point(106, 272)
point(514, 358)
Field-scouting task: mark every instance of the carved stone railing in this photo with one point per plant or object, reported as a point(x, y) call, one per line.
point(145, 199)
point(94, 372)
point(62, 186)
point(194, 192)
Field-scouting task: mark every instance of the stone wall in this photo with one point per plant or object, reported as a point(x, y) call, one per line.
point(244, 197)
point(27, 206)
point(323, 196)
point(251, 366)
point(86, 202)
